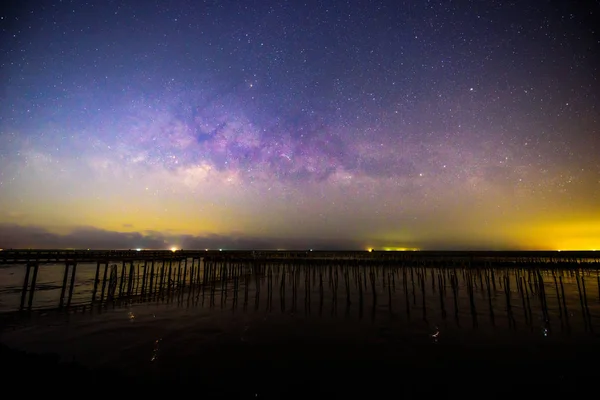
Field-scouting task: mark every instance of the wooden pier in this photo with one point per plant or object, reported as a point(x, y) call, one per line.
point(30, 256)
point(127, 273)
point(117, 272)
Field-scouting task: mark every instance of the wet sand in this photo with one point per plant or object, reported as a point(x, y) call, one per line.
point(287, 335)
point(334, 370)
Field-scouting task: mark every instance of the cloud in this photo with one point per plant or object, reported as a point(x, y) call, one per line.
point(14, 236)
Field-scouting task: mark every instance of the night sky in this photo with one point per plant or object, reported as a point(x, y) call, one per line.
point(299, 124)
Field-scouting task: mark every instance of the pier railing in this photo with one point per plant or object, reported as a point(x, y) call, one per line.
point(27, 256)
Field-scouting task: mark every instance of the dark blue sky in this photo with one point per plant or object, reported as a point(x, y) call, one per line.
point(361, 123)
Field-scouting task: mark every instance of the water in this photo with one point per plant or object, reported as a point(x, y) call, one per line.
point(292, 312)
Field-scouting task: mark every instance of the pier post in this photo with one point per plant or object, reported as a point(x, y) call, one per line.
point(162, 277)
point(33, 281)
point(201, 261)
point(192, 272)
point(144, 277)
point(169, 275)
point(25, 286)
point(72, 284)
point(184, 272)
point(205, 272)
point(104, 281)
point(122, 280)
point(96, 281)
point(178, 273)
point(130, 280)
point(64, 285)
point(151, 285)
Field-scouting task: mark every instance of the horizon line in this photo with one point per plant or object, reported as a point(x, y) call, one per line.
point(368, 250)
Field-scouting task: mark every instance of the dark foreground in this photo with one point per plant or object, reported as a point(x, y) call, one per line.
point(307, 330)
point(328, 370)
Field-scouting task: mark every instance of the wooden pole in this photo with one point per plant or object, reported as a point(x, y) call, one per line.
point(72, 284)
point(32, 289)
point(64, 285)
point(96, 281)
point(25, 286)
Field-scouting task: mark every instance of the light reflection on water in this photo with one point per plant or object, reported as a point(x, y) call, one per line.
point(309, 304)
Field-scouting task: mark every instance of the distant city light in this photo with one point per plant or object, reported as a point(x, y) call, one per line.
point(173, 249)
point(138, 249)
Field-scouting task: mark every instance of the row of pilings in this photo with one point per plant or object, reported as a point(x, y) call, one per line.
point(354, 283)
point(143, 280)
point(486, 293)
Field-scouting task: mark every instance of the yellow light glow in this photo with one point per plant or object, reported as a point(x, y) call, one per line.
point(400, 249)
point(173, 249)
point(558, 235)
point(537, 226)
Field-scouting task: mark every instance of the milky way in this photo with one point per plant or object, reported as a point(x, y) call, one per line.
point(314, 124)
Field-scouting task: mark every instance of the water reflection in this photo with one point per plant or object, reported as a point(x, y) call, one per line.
point(547, 300)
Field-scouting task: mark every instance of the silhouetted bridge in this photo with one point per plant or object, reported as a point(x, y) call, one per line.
point(123, 273)
point(29, 256)
point(126, 273)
